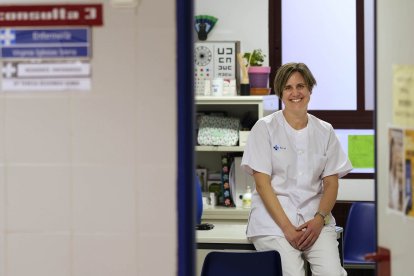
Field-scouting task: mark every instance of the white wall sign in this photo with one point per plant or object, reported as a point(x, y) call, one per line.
point(403, 95)
point(45, 84)
point(38, 76)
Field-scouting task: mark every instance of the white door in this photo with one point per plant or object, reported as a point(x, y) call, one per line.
point(395, 46)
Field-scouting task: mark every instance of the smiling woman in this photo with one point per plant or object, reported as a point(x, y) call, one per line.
point(296, 188)
point(296, 97)
point(293, 84)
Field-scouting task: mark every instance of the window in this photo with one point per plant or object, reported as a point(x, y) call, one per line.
point(336, 40)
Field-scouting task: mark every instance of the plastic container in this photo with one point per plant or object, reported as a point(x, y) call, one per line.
point(259, 91)
point(259, 76)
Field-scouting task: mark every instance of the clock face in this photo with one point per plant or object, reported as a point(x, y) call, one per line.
point(202, 55)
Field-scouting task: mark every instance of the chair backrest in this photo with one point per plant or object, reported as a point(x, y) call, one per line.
point(360, 235)
point(199, 200)
point(263, 263)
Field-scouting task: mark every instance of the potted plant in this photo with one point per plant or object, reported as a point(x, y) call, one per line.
point(258, 74)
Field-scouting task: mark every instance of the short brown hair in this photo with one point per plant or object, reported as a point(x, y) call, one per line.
point(284, 73)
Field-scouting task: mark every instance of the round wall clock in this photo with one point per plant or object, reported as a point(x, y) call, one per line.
point(202, 55)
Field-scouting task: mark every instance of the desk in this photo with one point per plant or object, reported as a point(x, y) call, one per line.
point(233, 237)
point(224, 236)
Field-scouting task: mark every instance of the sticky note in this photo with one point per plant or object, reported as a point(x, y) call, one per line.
point(361, 151)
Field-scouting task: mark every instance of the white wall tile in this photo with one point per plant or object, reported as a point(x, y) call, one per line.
point(104, 129)
point(104, 199)
point(150, 254)
point(156, 188)
point(38, 255)
point(38, 198)
point(105, 255)
point(37, 130)
point(2, 254)
point(160, 232)
point(3, 199)
point(120, 27)
point(157, 121)
point(99, 135)
point(2, 130)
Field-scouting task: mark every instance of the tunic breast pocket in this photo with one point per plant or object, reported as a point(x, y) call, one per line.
point(319, 163)
point(282, 166)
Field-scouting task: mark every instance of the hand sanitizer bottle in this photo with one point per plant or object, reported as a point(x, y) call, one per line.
point(247, 198)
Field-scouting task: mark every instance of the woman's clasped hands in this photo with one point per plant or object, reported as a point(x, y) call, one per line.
point(304, 236)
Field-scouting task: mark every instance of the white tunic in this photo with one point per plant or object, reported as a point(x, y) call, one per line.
point(296, 161)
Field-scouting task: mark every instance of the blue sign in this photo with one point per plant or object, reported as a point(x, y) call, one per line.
point(45, 43)
point(44, 52)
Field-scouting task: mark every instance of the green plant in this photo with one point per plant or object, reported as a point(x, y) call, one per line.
point(256, 58)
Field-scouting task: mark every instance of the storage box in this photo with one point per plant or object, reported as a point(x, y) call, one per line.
point(243, 134)
point(242, 180)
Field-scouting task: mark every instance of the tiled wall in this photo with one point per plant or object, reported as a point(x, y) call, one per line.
point(87, 179)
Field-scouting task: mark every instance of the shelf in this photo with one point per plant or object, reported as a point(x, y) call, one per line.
point(251, 107)
point(225, 213)
point(263, 105)
point(269, 99)
point(220, 148)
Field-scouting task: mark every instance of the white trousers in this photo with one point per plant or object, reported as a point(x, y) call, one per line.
point(323, 256)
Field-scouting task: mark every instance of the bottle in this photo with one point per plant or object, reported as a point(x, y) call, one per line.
point(213, 199)
point(247, 198)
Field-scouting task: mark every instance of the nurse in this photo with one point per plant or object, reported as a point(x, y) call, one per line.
point(296, 160)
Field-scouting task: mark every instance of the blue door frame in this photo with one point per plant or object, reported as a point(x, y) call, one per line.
point(185, 139)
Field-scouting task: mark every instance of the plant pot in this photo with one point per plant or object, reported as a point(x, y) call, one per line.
point(259, 76)
point(256, 91)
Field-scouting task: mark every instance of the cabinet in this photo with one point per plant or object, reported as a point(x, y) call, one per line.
point(251, 107)
point(234, 106)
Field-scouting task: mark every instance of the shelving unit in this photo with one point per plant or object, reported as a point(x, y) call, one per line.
point(234, 106)
point(220, 148)
point(262, 105)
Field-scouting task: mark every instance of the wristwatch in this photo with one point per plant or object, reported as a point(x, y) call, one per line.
point(325, 217)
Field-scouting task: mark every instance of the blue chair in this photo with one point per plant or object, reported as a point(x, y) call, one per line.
point(225, 263)
point(360, 235)
point(199, 200)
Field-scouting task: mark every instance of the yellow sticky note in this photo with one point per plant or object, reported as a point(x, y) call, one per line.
point(361, 151)
point(403, 95)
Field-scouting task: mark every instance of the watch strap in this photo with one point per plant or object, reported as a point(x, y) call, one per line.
point(325, 217)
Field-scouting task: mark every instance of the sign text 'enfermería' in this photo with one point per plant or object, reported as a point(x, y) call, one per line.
point(35, 42)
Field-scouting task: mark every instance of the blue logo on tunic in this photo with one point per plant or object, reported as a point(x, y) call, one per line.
point(277, 147)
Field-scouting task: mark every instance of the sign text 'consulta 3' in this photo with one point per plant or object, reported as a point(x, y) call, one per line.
point(51, 15)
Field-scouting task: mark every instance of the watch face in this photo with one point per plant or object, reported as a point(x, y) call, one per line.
point(327, 219)
point(202, 55)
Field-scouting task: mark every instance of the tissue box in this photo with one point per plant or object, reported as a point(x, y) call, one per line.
point(243, 134)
